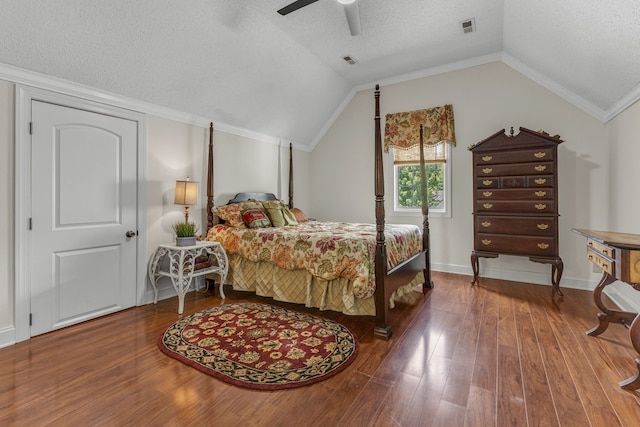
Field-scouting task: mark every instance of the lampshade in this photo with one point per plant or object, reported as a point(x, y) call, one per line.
point(186, 192)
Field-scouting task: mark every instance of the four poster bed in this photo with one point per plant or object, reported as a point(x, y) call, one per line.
point(351, 268)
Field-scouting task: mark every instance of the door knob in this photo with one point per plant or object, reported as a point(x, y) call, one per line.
point(130, 233)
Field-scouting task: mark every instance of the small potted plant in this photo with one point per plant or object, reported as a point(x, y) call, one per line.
point(185, 233)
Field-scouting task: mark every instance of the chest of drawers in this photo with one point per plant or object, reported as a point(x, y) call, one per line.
point(515, 199)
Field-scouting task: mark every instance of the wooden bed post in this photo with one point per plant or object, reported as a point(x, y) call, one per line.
point(290, 175)
point(382, 329)
point(425, 217)
point(210, 181)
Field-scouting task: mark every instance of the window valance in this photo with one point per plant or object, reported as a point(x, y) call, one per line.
point(402, 130)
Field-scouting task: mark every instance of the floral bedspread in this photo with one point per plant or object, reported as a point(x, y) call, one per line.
point(326, 249)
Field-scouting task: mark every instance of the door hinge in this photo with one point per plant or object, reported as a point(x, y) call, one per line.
point(30, 128)
point(30, 319)
point(29, 224)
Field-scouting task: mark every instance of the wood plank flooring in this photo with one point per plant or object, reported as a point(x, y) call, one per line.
point(495, 354)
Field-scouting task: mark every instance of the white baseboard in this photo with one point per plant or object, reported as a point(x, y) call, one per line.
point(517, 276)
point(7, 336)
point(619, 297)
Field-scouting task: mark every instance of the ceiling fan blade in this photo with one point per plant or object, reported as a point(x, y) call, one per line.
point(352, 11)
point(295, 6)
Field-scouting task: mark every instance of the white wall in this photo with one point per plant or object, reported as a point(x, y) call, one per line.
point(624, 197)
point(485, 99)
point(6, 204)
point(176, 150)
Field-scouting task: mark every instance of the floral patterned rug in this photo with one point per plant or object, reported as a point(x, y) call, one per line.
point(260, 346)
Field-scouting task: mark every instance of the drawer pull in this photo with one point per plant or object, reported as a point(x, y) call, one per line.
point(541, 193)
point(543, 226)
point(540, 206)
point(541, 181)
point(486, 242)
point(540, 154)
point(540, 168)
point(543, 245)
point(487, 182)
point(487, 193)
point(486, 224)
point(487, 170)
point(487, 158)
point(487, 205)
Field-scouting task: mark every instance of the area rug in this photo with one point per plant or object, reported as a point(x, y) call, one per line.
point(260, 346)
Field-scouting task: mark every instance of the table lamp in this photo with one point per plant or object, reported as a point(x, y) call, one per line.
point(186, 194)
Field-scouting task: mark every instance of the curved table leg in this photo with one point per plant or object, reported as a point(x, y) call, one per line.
point(223, 265)
point(606, 315)
point(475, 262)
point(557, 268)
point(154, 268)
point(633, 383)
point(182, 264)
point(475, 266)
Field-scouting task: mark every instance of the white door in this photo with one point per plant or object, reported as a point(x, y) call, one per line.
point(84, 202)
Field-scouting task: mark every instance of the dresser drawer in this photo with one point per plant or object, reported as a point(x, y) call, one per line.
point(540, 181)
point(543, 226)
point(514, 194)
point(605, 250)
point(488, 182)
point(519, 156)
point(516, 245)
point(601, 261)
point(513, 182)
point(538, 168)
point(531, 206)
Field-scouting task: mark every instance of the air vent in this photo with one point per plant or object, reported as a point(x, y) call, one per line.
point(468, 25)
point(349, 60)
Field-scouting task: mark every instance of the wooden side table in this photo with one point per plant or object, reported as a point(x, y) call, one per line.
point(182, 267)
point(618, 255)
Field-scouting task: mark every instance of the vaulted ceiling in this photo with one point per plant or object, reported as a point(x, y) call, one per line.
point(241, 64)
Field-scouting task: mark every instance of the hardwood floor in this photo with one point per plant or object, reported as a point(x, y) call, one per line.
point(495, 354)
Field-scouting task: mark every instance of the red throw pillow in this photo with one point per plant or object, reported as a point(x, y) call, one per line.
point(255, 218)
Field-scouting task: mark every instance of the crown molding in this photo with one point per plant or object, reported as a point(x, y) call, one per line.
point(555, 87)
point(433, 71)
point(460, 65)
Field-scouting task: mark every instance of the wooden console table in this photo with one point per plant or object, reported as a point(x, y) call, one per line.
point(618, 255)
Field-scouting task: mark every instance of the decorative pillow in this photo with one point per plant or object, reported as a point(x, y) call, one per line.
point(289, 217)
point(250, 204)
point(300, 216)
point(255, 218)
point(230, 214)
point(273, 208)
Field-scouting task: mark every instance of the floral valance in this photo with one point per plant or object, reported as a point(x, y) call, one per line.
point(402, 130)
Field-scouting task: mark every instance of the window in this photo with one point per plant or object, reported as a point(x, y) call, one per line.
point(408, 192)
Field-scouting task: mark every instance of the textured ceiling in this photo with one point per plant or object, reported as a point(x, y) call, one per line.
point(240, 63)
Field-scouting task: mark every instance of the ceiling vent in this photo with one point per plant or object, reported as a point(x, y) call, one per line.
point(349, 60)
point(468, 25)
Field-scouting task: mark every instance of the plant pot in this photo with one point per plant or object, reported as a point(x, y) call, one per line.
point(185, 241)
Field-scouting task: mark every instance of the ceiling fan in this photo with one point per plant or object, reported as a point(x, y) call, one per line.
point(351, 11)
